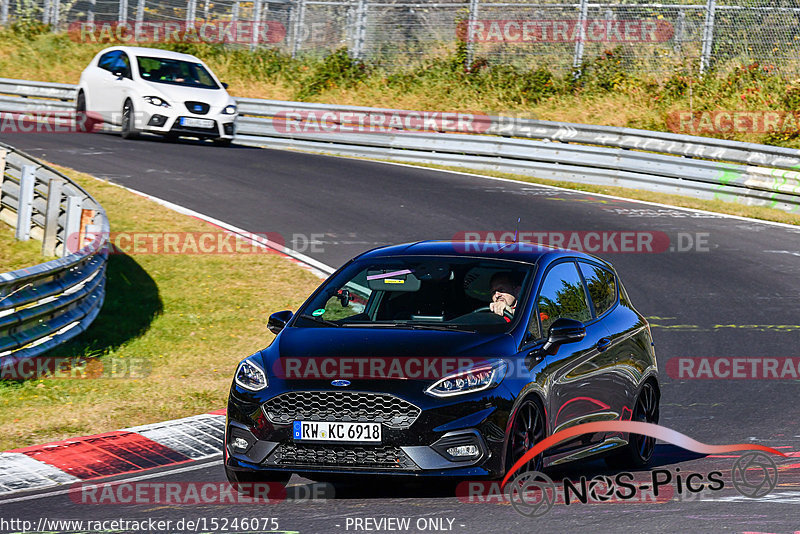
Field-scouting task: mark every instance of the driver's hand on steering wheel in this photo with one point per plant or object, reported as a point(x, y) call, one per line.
point(499, 307)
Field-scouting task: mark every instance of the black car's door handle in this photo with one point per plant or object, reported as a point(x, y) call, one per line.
point(603, 344)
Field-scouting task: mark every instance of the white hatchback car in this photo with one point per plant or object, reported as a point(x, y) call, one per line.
point(157, 91)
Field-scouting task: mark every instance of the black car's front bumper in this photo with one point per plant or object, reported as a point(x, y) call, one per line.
point(413, 442)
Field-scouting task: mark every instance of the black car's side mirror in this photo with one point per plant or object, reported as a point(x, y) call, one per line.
point(564, 331)
point(278, 320)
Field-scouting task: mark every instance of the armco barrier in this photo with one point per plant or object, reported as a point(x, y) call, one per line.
point(655, 161)
point(47, 304)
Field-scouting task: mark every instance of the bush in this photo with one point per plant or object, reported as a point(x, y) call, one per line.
point(336, 70)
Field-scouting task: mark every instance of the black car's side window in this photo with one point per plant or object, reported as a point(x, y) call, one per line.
point(562, 295)
point(602, 287)
point(108, 60)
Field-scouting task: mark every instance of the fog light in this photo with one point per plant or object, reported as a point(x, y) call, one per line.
point(463, 451)
point(240, 444)
point(228, 128)
point(157, 120)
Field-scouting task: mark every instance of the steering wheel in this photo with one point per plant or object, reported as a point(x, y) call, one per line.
point(485, 309)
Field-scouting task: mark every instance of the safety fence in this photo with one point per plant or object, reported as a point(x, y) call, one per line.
point(47, 304)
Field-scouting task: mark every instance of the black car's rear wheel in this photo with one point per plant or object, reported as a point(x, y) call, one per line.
point(527, 430)
point(640, 448)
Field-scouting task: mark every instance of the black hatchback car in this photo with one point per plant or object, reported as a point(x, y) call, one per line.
point(445, 359)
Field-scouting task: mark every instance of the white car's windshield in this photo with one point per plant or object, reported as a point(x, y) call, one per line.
point(175, 72)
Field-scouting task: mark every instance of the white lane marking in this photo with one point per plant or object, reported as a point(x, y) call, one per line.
point(166, 472)
point(785, 497)
point(793, 253)
point(317, 267)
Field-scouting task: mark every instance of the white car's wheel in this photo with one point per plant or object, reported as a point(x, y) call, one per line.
point(128, 125)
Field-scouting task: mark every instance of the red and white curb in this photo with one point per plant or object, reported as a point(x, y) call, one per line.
point(129, 450)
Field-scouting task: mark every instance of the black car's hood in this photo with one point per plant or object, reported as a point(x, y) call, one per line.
point(390, 342)
point(308, 357)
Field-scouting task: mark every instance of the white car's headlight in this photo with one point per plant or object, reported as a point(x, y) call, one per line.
point(157, 101)
point(478, 378)
point(250, 376)
point(229, 110)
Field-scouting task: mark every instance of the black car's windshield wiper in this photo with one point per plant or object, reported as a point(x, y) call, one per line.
point(319, 320)
point(413, 326)
point(444, 327)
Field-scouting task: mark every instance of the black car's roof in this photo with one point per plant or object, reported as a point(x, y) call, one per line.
point(519, 251)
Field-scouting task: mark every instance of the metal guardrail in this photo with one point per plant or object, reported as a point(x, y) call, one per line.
point(656, 161)
point(47, 304)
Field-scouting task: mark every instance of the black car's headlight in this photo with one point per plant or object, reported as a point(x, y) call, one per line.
point(229, 110)
point(250, 376)
point(469, 381)
point(156, 101)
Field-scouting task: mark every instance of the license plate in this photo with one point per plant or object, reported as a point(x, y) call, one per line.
point(344, 432)
point(196, 123)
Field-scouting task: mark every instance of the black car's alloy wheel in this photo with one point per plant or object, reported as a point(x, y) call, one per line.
point(528, 429)
point(640, 448)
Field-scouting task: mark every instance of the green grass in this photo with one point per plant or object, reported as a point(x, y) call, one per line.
point(18, 254)
point(183, 320)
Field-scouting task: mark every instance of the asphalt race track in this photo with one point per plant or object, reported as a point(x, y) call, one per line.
point(724, 300)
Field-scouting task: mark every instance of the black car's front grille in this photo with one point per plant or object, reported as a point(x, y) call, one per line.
point(344, 456)
point(345, 406)
point(199, 108)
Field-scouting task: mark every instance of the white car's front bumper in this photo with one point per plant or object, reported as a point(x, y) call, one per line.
point(178, 120)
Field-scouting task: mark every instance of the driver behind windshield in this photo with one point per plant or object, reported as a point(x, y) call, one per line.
point(505, 290)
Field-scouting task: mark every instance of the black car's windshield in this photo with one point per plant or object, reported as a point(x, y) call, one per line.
point(441, 293)
point(175, 72)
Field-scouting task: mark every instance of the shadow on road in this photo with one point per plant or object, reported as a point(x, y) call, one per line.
point(430, 488)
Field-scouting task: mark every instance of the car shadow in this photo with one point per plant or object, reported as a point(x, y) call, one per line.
point(154, 138)
point(390, 487)
point(131, 303)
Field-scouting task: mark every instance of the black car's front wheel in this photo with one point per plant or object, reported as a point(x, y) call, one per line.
point(527, 430)
point(639, 449)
